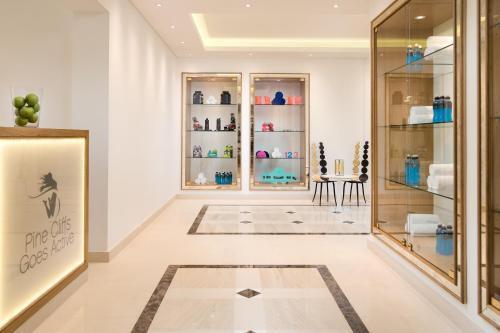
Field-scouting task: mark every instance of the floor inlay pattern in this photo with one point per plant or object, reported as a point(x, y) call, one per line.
point(248, 298)
point(281, 220)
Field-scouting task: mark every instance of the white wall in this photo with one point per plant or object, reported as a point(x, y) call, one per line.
point(142, 123)
point(339, 107)
point(89, 110)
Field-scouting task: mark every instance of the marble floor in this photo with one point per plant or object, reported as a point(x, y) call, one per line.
point(204, 298)
point(281, 220)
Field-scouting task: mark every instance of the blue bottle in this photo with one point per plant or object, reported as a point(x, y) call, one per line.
point(435, 110)
point(407, 169)
point(448, 111)
point(416, 170)
point(230, 178)
point(409, 54)
point(217, 178)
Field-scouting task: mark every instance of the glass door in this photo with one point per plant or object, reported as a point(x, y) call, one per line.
point(490, 162)
point(417, 134)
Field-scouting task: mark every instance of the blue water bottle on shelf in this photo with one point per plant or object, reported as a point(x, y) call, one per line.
point(448, 110)
point(409, 54)
point(416, 170)
point(407, 169)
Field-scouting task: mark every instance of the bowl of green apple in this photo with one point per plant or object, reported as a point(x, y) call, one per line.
point(26, 110)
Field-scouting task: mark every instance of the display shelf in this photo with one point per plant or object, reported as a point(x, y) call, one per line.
point(489, 129)
point(443, 124)
point(438, 62)
point(199, 172)
point(422, 188)
point(291, 122)
point(401, 89)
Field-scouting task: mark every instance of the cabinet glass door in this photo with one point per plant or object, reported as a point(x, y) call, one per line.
point(417, 133)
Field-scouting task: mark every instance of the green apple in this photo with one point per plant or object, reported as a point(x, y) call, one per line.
point(21, 121)
point(36, 107)
point(32, 99)
point(18, 102)
point(26, 112)
point(33, 119)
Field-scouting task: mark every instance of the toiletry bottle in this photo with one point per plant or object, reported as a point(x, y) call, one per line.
point(448, 117)
point(416, 170)
point(409, 54)
point(434, 110)
point(217, 178)
point(207, 124)
point(230, 178)
point(407, 169)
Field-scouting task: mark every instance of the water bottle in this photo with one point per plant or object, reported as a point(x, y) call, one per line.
point(448, 113)
point(409, 54)
point(435, 110)
point(407, 169)
point(416, 170)
point(217, 178)
point(230, 180)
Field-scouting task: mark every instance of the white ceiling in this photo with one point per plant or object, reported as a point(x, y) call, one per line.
point(303, 28)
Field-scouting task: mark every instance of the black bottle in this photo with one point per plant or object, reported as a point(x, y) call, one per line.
point(198, 97)
point(218, 124)
point(207, 125)
point(225, 97)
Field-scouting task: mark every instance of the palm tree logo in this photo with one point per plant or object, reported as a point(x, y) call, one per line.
point(48, 184)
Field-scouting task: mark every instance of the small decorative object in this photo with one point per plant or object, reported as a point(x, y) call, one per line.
point(291, 100)
point(267, 100)
point(26, 107)
point(262, 154)
point(276, 153)
point(289, 154)
point(322, 158)
point(198, 97)
point(207, 124)
point(223, 178)
point(339, 167)
point(278, 176)
point(278, 99)
point(258, 100)
point(232, 124)
point(212, 153)
point(364, 163)
point(211, 100)
point(314, 160)
point(268, 127)
point(197, 153)
point(228, 152)
point(201, 179)
point(225, 97)
point(355, 162)
point(218, 124)
point(444, 240)
point(295, 154)
point(297, 99)
point(196, 124)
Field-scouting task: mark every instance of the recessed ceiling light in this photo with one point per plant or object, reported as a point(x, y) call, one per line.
point(310, 54)
point(419, 17)
point(172, 27)
point(183, 43)
point(250, 54)
point(248, 5)
point(335, 6)
point(159, 4)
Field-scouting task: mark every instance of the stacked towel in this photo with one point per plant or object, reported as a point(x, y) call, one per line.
point(441, 178)
point(421, 114)
point(435, 43)
point(422, 224)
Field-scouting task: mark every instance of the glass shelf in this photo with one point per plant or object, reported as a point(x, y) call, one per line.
point(439, 62)
point(274, 105)
point(213, 105)
point(279, 158)
point(422, 188)
point(279, 131)
point(194, 131)
point(211, 158)
point(444, 124)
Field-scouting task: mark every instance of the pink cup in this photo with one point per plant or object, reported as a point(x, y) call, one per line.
point(258, 99)
point(290, 100)
point(267, 99)
point(298, 99)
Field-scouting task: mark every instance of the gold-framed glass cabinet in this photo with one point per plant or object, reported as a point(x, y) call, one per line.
point(489, 228)
point(418, 137)
point(211, 131)
point(279, 133)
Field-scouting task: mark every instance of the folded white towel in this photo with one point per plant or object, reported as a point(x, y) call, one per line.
point(421, 110)
point(420, 119)
point(441, 169)
point(421, 224)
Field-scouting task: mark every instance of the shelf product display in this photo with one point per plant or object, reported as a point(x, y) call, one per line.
point(489, 129)
point(211, 136)
point(418, 137)
point(279, 131)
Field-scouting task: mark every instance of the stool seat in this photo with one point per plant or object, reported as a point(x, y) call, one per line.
point(323, 180)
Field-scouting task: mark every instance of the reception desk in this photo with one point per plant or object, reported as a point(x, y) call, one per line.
point(43, 217)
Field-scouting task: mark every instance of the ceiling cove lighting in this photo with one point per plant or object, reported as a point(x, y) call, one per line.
point(214, 43)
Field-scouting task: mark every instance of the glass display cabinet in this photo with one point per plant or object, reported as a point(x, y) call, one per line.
point(211, 135)
point(489, 303)
point(417, 135)
point(279, 131)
